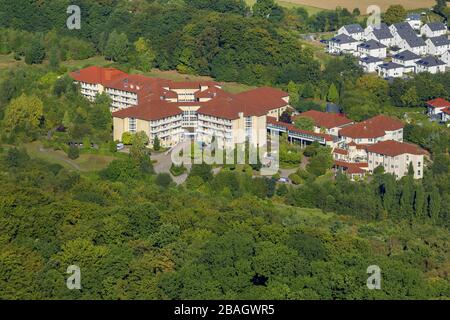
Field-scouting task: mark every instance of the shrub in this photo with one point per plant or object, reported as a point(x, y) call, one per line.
point(163, 180)
point(177, 170)
point(73, 152)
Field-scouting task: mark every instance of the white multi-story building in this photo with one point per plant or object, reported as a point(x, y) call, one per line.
point(372, 48)
point(92, 80)
point(382, 35)
point(430, 64)
point(390, 70)
point(352, 30)
point(396, 157)
point(415, 21)
point(370, 64)
point(446, 58)
point(343, 43)
point(437, 46)
point(434, 29)
point(407, 59)
point(173, 111)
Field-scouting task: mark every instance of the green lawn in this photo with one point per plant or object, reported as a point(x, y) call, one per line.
point(86, 162)
point(287, 4)
point(93, 61)
point(7, 61)
point(231, 87)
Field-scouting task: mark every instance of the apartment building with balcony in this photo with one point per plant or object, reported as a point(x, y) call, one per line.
point(396, 157)
point(174, 111)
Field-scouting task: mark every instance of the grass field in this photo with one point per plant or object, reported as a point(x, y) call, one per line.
point(361, 4)
point(312, 9)
point(85, 163)
point(231, 87)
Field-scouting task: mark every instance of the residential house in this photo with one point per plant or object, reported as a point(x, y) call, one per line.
point(446, 58)
point(352, 30)
point(381, 34)
point(370, 64)
point(395, 157)
point(342, 43)
point(372, 48)
point(434, 29)
point(414, 20)
point(407, 59)
point(390, 70)
point(412, 42)
point(397, 29)
point(430, 64)
point(437, 46)
point(436, 109)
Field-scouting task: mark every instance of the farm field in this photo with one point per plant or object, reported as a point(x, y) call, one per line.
point(362, 4)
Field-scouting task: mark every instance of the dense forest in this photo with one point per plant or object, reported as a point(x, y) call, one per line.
point(232, 235)
point(137, 237)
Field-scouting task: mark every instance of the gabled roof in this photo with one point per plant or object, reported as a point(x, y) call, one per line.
point(438, 103)
point(353, 28)
point(371, 128)
point(351, 168)
point(430, 61)
point(390, 65)
point(370, 59)
point(405, 26)
point(414, 16)
point(150, 110)
point(440, 41)
point(96, 75)
point(371, 45)
point(383, 33)
point(343, 39)
point(412, 39)
point(326, 120)
point(436, 26)
point(406, 56)
point(394, 148)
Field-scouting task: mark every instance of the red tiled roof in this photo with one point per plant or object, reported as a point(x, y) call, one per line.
point(394, 148)
point(191, 84)
point(438, 103)
point(265, 98)
point(152, 91)
point(351, 168)
point(150, 110)
point(371, 128)
point(340, 151)
point(326, 120)
point(211, 92)
point(96, 75)
point(447, 110)
point(290, 127)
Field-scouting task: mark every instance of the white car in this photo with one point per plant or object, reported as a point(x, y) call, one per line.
point(120, 146)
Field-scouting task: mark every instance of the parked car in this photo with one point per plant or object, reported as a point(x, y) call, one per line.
point(283, 180)
point(120, 146)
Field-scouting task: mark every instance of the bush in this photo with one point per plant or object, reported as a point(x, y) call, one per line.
point(73, 152)
point(127, 138)
point(163, 180)
point(177, 170)
point(295, 178)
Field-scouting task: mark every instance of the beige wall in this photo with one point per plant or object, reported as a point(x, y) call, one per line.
point(397, 165)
